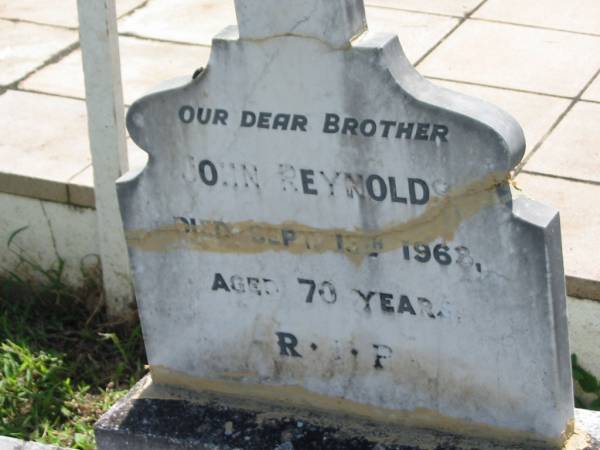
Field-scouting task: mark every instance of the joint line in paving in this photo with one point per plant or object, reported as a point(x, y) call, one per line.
point(132, 11)
point(79, 172)
point(51, 60)
point(558, 120)
point(69, 183)
point(560, 177)
point(589, 100)
point(502, 88)
point(164, 41)
point(43, 24)
point(51, 94)
point(452, 30)
point(425, 13)
point(537, 27)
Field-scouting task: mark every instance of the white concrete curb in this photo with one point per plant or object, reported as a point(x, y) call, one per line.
point(7, 443)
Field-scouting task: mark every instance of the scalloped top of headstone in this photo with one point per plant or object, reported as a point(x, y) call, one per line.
point(334, 22)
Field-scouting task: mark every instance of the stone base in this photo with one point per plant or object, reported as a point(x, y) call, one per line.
point(159, 418)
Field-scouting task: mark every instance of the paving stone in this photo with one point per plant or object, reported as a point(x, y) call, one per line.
point(535, 113)
point(452, 7)
point(24, 47)
point(417, 32)
point(43, 144)
point(580, 222)
point(181, 20)
point(45, 11)
point(143, 65)
point(593, 92)
point(551, 62)
point(573, 148)
point(575, 15)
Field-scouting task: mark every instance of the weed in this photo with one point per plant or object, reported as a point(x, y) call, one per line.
point(62, 363)
point(588, 383)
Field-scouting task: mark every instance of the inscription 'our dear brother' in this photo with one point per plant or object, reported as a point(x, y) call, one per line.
point(330, 123)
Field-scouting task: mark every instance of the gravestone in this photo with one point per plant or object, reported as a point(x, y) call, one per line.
point(319, 226)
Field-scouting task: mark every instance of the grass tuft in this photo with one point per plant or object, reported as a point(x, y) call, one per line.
point(589, 385)
point(62, 362)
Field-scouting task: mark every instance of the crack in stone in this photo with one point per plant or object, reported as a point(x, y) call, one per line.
point(48, 221)
point(305, 18)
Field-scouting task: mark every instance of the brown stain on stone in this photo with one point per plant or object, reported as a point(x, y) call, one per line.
point(441, 219)
point(302, 401)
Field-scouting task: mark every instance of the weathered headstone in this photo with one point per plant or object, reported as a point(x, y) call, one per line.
point(319, 225)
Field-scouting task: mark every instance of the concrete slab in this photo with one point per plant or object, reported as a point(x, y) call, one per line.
point(450, 7)
point(573, 148)
point(535, 113)
point(45, 142)
point(181, 20)
point(576, 15)
point(46, 11)
point(25, 47)
point(418, 33)
point(580, 223)
point(144, 64)
point(593, 92)
point(537, 60)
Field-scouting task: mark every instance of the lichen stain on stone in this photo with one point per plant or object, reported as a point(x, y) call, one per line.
point(441, 219)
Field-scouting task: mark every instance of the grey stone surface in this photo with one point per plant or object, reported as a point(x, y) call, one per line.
point(25, 47)
point(339, 234)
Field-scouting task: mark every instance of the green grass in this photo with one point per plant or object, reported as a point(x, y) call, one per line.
point(588, 383)
point(62, 363)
